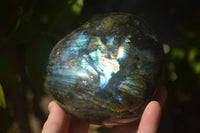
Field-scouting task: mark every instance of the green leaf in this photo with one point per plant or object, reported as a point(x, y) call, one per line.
point(178, 53)
point(77, 6)
point(2, 98)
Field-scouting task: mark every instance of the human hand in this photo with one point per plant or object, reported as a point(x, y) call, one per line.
point(150, 119)
point(61, 122)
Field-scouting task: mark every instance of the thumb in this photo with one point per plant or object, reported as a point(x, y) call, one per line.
point(58, 121)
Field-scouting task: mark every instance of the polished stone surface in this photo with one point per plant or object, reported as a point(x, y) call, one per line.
point(107, 70)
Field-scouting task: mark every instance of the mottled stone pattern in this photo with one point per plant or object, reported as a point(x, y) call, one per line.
point(107, 70)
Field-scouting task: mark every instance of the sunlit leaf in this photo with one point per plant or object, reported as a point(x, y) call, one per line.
point(196, 67)
point(193, 59)
point(192, 53)
point(45, 84)
point(2, 98)
point(177, 53)
point(77, 6)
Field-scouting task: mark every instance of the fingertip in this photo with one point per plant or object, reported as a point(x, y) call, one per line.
point(153, 107)
point(153, 111)
point(150, 119)
point(51, 105)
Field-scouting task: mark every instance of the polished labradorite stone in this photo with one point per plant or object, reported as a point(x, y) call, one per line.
point(107, 70)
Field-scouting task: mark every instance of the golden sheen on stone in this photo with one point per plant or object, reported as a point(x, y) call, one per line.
point(107, 70)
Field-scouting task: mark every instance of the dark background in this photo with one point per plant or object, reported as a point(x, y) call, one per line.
point(30, 28)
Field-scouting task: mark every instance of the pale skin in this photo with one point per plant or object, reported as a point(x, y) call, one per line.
point(60, 122)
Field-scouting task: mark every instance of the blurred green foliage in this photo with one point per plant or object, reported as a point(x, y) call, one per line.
point(30, 28)
point(2, 98)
